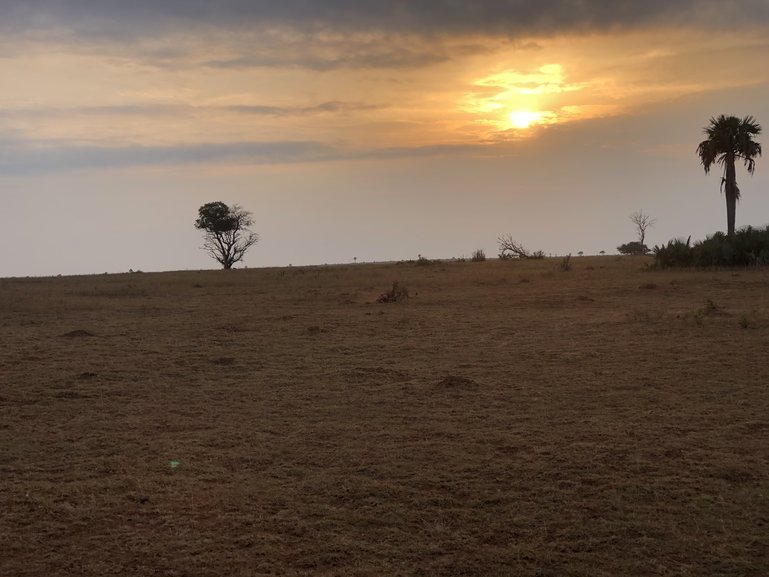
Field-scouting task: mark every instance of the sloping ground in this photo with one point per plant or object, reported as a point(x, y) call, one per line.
point(507, 419)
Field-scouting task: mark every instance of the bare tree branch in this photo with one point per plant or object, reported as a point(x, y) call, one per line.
point(509, 248)
point(642, 222)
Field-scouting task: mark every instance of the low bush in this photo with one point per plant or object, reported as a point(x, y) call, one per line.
point(747, 247)
point(478, 255)
point(633, 248)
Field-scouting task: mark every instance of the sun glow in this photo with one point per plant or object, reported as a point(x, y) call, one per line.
point(514, 102)
point(524, 118)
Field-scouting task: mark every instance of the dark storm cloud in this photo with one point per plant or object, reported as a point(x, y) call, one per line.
point(502, 17)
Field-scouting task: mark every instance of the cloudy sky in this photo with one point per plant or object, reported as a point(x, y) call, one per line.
point(373, 129)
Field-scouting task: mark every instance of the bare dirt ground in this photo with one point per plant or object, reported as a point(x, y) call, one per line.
point(509, 419)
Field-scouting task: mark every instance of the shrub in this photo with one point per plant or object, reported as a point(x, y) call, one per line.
point(565, 265)
point(633, 248)
point(478, 255)
point(675, 253)
point(747, 247)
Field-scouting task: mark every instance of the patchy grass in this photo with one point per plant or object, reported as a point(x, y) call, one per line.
point(281, 422)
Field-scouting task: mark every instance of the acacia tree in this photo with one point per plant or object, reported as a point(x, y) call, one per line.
point(730, 139)
point(226, 236)
point(642, 222)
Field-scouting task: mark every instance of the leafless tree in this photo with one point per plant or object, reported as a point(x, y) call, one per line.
point(509, 248)
point(642, 222)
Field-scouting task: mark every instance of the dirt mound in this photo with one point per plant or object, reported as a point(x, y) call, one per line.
point(223, 361)
point(457, 382)
point(78, 333)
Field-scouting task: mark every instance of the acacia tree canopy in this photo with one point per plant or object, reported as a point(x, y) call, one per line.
point(226, 236)
point(633, 248)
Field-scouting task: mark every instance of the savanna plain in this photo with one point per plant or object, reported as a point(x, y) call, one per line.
point(507, 419)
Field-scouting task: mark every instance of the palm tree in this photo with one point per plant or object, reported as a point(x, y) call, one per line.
point(730, 139)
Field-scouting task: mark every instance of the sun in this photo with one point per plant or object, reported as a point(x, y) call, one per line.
point(524, 118)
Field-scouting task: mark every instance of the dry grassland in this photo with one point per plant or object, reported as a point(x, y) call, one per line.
point(507, 420)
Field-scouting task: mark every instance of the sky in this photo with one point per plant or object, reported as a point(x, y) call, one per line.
point(366, 129)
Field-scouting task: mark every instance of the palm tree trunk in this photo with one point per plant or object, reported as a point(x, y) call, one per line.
point(730, 192)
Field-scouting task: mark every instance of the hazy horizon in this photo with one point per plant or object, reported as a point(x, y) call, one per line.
point(368, 130)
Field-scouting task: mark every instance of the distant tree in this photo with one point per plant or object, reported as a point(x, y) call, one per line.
point(226, 236)
point(580, 253)
point(730, 139)
point(642, 222)
point(603, 252)
point(633, 248)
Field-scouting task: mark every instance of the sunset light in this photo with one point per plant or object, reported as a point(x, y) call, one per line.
point(338, 123)
point(384, 288)
point(524, 118)
point(514, 98)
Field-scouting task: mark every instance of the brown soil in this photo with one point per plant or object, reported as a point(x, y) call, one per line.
point(508, 419)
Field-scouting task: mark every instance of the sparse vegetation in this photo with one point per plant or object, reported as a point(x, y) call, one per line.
point(565, 264)
point(234, 425)
point(478, 255)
